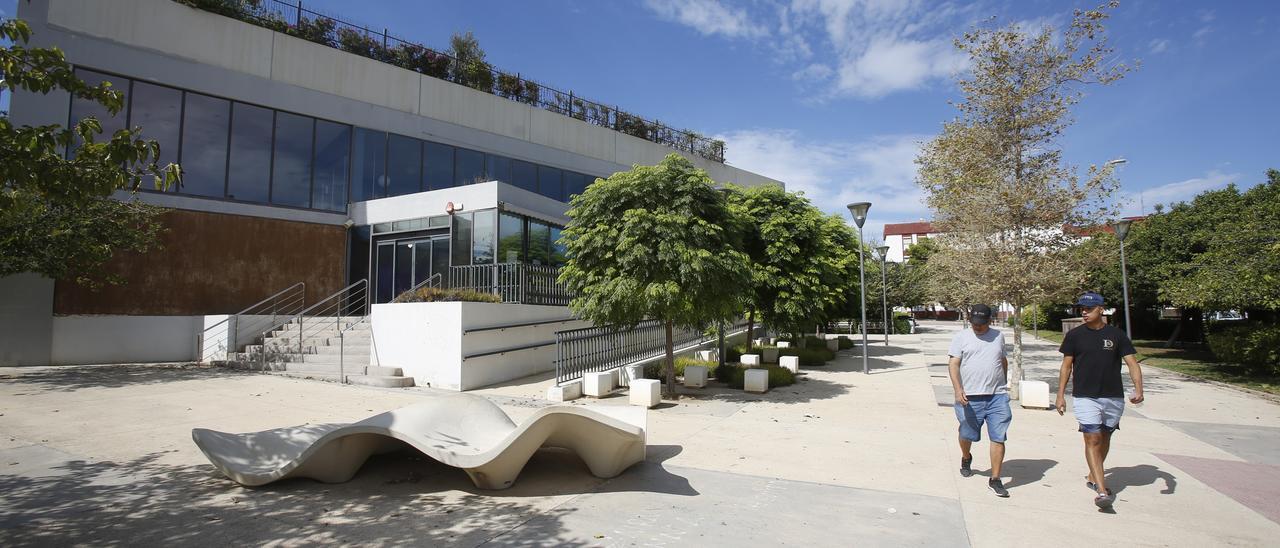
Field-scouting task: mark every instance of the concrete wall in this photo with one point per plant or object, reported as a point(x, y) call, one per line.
point(26, 319)
point(472, 197)
point(429, 342)
point(80, 340)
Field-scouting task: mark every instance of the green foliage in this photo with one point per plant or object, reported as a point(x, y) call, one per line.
point(845, 342)
point(901, 323)
point(469, 67)
point(656, 369)
point(654, 242)
point(319, 30)
point(735, 376)
point(1256, 346)
point(56, 215)
point(437, 294)
point(810, 356)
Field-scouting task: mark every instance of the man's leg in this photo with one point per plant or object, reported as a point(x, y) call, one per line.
point(997, 458)
point(965, 446)
point(1093, 455)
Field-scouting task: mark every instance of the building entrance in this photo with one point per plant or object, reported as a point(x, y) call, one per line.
point(403, 263)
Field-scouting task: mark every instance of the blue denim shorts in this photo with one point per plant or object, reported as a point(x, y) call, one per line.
point(992, 409)
point(1098, 414)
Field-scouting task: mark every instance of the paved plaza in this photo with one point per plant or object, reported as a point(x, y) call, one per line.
point(103, 456)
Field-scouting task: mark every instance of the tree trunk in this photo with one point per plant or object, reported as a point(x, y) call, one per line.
point(671, 364)
point(1015, 368)
point(751, 327)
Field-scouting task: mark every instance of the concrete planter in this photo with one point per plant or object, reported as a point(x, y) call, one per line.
point(833, 345)
point(630, 373)
point(565, 392)
point(645, 393)
point(695, 376)
point(597, 384)
point(1035, 394)
point(707, 355)
point(790, 363)
point(784, 344)
point(750, 359)
point(770, 354)
point(756, 381)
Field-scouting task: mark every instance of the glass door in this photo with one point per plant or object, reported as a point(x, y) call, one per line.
point(403, 264)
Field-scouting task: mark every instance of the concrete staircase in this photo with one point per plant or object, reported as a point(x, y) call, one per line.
point(314, 348)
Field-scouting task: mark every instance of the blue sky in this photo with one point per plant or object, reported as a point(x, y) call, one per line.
point(833, 97)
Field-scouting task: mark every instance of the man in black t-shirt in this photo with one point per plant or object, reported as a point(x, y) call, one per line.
point(1091, 356)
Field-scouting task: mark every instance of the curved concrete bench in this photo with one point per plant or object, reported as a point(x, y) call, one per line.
point(462, 430)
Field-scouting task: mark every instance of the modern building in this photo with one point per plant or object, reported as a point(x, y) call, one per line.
point(303, 163)
point(901, 236)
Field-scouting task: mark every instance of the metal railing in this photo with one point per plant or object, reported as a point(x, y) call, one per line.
point(295, 20)
point(339, 312)
point(593, 349)
point(231, 334)
point(513, 282)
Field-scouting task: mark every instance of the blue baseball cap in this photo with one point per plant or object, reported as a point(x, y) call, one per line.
point(1090, 299)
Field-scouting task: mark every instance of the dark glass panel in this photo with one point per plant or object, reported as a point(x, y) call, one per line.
point(498, 168)
point(558, 249)
point(158, 111)
point(539, 243)
point(549, 183)
point(84, 108)
point(358, 247)
point(439, 167)
point(524, 175)
point(482, 236)
point(421, 261)
point(461, 244)
point(386, 271)
point(404, 268)
point(369, 167)
point(205, 123)
point(469, 167)
point(404, 165)
point(440, 258)
point(249, 177)
point(291, 165)
point(510, 238)
point(574, 183)
point(333, 163)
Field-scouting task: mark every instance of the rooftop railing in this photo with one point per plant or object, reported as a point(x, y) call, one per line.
point(294, 19)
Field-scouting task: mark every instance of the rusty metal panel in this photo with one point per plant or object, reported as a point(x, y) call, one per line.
point(214, 263)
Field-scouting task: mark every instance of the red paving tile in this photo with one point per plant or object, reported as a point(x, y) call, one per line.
point(1254, 485)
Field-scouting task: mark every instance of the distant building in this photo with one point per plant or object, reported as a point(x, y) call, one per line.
point(900, 236)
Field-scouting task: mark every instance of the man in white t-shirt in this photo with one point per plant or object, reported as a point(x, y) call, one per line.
point(979, 377)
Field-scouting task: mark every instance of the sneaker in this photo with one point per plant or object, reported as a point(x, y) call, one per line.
point(997, 487)
point(964, 466)
point(1104, 500)
point(1094, 487)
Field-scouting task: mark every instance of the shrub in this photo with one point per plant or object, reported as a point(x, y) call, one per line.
point(901, 323)
point(1255, 346)
point(318, 30)
point(845, 342)
point(436, 294)
point(811, 357)
point(655, 369)
point(778, 377)
point(814, 342)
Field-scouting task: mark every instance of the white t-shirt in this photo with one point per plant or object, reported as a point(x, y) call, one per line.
point(981, 361)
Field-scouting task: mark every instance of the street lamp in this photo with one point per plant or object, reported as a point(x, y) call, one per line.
point(884, 291)
point(1122, 229)
point(859, 212)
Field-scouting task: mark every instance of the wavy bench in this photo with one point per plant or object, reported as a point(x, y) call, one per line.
point(462, 430)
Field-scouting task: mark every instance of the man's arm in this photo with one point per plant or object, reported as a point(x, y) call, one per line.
point(953, 366)
point(1063, 376)
point(1135, 373)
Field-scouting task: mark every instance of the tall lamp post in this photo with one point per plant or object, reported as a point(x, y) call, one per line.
point(1122, 230)
point(884, 290)
point(859, 212)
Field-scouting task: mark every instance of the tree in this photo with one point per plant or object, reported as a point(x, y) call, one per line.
point(470, 68)
point(655, 242)
point(801, 259)
point(995, 176)
point(56, 214)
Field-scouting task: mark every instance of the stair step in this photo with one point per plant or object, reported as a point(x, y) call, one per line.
point(381, 381)
point(378, 371)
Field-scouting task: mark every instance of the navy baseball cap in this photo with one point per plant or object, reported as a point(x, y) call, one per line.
point(1090, 299)
point(980, 314)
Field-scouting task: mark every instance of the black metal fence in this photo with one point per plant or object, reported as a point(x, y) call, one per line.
point(592, 349)
point(514, 282)
point(296, 20)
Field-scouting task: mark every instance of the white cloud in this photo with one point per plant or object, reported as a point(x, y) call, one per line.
point(880, 170)
point(1159, 45)
point(1202, 35)
point(814, 72)
point(709, 17)
point(1143, 201)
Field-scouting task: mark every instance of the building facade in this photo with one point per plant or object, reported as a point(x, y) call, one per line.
point(302, 163)
point(901, 236)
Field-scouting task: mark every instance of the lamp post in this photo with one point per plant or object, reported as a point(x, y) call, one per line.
point(859, 212)
point(884, 290)
point(1122, 230)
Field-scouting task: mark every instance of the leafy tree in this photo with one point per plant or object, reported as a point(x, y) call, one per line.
point(655, 242)
point(56, 214)
point(469, 67)
point(995, 176)
point(801, 259)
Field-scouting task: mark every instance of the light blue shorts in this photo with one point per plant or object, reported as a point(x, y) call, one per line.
point(1098, 414)
point(992, 409)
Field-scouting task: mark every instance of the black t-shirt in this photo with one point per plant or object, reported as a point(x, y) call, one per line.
point(1098, 354)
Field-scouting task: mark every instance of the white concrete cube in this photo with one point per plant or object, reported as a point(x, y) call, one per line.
point(756, 381)
point(707, 355)
point(695, 376)
point(762, 341)
point(769, 354)
point(833, 345)
point(1035, 394)
point(784, 344)
point(565, 392)
point(790, 363)
point(597, 384)
point(646, 392)
point(630, 373)
point(750, 359)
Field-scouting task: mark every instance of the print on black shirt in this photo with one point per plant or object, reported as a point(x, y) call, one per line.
point(1095, 371)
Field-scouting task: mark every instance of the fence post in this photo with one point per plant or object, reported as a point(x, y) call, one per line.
point(384, 37)
point(298, 20)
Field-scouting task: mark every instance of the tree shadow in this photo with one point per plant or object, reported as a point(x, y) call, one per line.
point(69, 378)
point(1143, 474)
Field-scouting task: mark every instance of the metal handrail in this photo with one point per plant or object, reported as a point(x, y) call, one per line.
point(437, 276)
point(603, 348)
point(226, 323)
point(340, 304)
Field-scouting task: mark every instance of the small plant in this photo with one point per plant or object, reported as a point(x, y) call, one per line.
point(359, 43)
point(318, 30)
point(509, 86)
point(436, 294)
point(656, 369)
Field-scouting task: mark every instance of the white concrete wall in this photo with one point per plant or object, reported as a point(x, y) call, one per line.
point(215, 337)
point(26, 319)
point(124, 339)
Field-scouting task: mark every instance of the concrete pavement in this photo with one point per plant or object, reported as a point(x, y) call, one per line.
point(103, 456)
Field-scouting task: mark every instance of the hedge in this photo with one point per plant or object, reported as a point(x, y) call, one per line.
point(1255, 346)
point(436, 294)
point(736, 376)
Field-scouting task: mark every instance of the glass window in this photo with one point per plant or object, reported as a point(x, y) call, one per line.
point(291, 165)
point(249, 176)
point(333, 160)
point(539, 243)
point(524, 175)
point(574, 183)
point(84, 108)
point(438, 221)
point(482, 237)
point(158, 111)
point(510, 238)
point(205, 123)
point(469, 167)
point(498, 168)
point(549, 183)
point(369, 167)
point(404, 165)
point(461, 245)
point(558, 256)
point(386, 271)
point(439, 167)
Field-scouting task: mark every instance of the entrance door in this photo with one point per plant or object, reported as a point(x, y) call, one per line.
point(403, 264)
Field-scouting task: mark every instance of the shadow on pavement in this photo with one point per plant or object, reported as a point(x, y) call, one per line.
point(1024, 471)
point(1142, 474)
point(73, 377)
